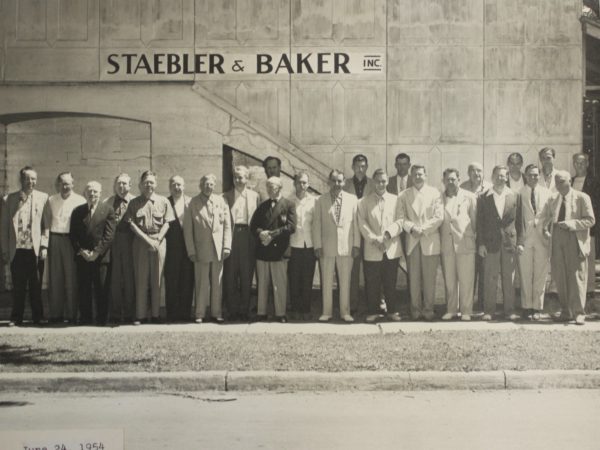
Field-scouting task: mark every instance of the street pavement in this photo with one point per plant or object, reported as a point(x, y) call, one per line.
point(531, 419)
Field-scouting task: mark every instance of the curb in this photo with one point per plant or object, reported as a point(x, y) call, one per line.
point(297, 381)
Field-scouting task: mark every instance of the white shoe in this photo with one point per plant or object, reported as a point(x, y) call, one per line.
point(580, 319)
point(348, 318)
point(448, 316)
point(372, 318)
point(465, 317)
point(324, 318)
point(486, 317)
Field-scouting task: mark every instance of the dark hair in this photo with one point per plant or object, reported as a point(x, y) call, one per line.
point(359, 158)
point(271, 158)
point(547, 149)
point(60, 175)
point(25, 169)
point(450, 170)
point(335, 172)
point(416, 167)
point(146, 174)
point(531, 166)
point(515, 155)
point(402, 156)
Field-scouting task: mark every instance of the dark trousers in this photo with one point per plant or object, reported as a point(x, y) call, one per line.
point(26, 270)
point(122, 283)
point(238, 272)
point(301, 271)
point(179, 281)
point(381, 275)
point(92, 279)
point(479, 264)
point(357, 301)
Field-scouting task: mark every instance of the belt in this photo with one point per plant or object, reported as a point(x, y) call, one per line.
point(52, 233)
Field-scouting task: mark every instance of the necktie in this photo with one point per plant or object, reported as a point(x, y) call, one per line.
point(401, 188)
point(338, 209)
point(562, 212)
point(533, 205)
point(273, 202)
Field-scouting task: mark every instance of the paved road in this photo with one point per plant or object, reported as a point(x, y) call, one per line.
point(410, 420)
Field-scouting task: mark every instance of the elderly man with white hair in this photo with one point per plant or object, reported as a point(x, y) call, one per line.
point(272, 224)
point(207, 233)
point(92, 230)
point(569, 218)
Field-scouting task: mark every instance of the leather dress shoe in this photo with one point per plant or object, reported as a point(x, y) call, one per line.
point(448, 316)
point(198, 320)
point(513, 317)
point(465, 317)
point(372, 318)
point(580, 319)
point(260, 318)
point(348, 318)
point(324, 318)
point(487, 317)
point(282, 319)
point(394, 317)
point(219, 320)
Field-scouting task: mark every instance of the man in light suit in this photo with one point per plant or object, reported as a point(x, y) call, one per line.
point(207, 232)
point(122, 286)
point(91, 233)
point(179, 270)
point(458, 246)
point(273, 222)
point(497, 241)
point(402, 180)
point(336, 240)
point(239, 267)
point(533, 243)
point(420, 214)
point(24, 236)
point(376, 212)
point(359, 185)
point(547, 156)
point(569, 219)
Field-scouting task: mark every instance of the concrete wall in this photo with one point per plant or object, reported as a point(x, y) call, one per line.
point(466, 79)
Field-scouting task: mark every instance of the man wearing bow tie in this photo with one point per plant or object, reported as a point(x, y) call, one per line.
point(458, 246)
point(569, 219)
point(92, 230)
point(207, 232)
point(533, 243)
point(420, 214)
point(272, 224)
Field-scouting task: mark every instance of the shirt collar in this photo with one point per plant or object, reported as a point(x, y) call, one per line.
point(359, 182)
point(23, 196)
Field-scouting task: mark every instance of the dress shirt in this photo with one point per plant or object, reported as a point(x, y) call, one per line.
point(359, 186)
point(239, 210)
point(120, 206)
point(179, 208)
point(401, 182)
point(25, 214)
point(61, 210)
point(516, 185)
point(499, 201)
point(548, 181)
point(578, 183)
point(305, 207)
point(451, 203)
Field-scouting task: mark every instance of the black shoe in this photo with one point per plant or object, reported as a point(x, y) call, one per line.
point(260, 318)
point(219, 320)
point(282, 319)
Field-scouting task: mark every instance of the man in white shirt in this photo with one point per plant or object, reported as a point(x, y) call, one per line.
point(497, 241)
point(62, 271)
point(301, 268)
point(516, 178)
point(548, 173)
point(179, 270)
point(239, 267)
point(533, 243)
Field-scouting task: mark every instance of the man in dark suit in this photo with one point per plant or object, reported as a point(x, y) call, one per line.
point(24, 237)
point(92, 231)
point(272, 225)
point(497, 241)
point(590, 185)
point(179, 270)
point(402, 180)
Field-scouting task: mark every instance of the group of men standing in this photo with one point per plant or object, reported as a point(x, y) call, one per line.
point(208, 248)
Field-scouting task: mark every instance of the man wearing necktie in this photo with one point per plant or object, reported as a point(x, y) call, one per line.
point(458, 246)
point(533, 243)
point(207, 232)
point(569, 219)
point(420, 214)
point(376, 212)
point(122, 286)
point(91, 232)
point(272, 224)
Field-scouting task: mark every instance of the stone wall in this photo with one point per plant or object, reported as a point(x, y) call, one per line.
point(466, 79)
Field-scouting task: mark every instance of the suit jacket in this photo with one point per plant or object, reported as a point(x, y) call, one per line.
point(174, 236)
point(392, 186)
point(207, 228)
point(281, 221)
point(429, 216)
point(458, 228)
point(251, 204)
point(494, 231)
point(349, 187)
point(39, 228)
point(591, 186)
point(579, 216)
point(335, 239)
point(95, 233)
point(530, 224)
point(373, 222)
